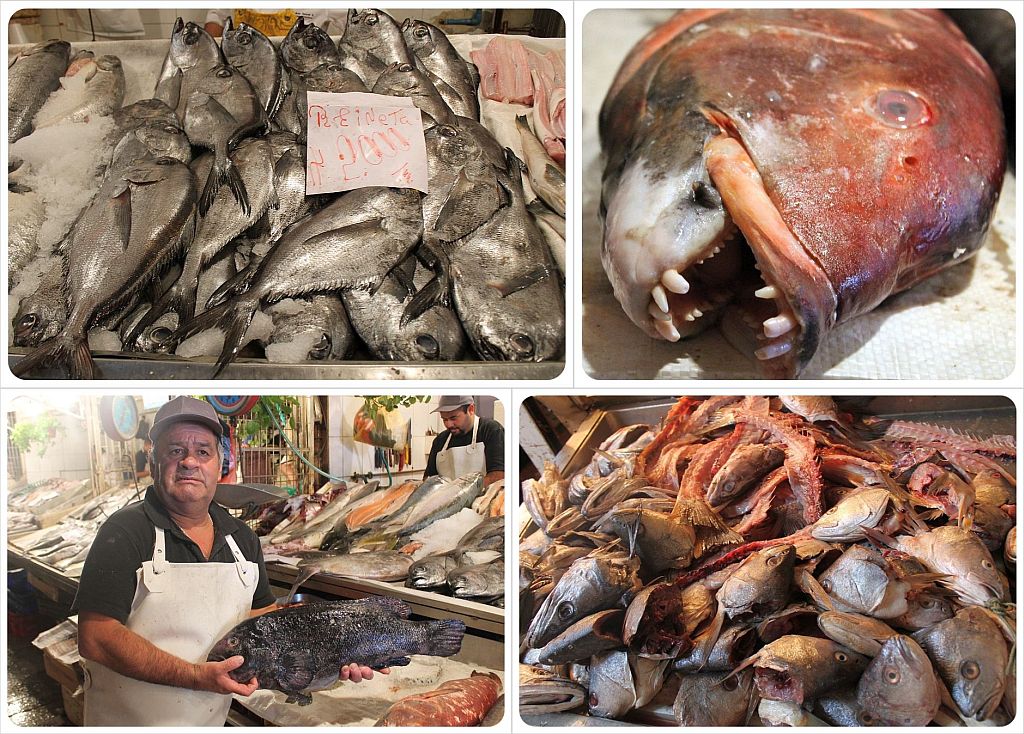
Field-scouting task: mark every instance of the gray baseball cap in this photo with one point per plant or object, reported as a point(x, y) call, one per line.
point(184, 409)
point(453, 402)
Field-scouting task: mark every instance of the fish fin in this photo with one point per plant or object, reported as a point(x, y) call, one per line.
point(237, 186)
point(512, 285)
point(404, 275)
point(396, 606)
point(463, 190)
point(234, 333)
point(433, 293)
point(304, 575)
point(554, 173)
point(233, 317)
point(302, 699)
point(210, 189)
point(924, 579)
point(238, 283)
point(710, 637)
point(813, 588)
point(878, 538)
point(396, 662)
point(295, 670)
point(69, 352)
point(444, 638)
point(122, 205)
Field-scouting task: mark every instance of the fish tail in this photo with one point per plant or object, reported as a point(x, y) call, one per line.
point(237, 324)
point(234, 181)
point(67, 351)
point(444, 638)
point(430, 295)
point(213, 181)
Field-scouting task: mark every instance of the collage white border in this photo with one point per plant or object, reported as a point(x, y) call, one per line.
point(574, 379)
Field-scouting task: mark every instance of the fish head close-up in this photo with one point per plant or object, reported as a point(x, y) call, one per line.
point(781, 171)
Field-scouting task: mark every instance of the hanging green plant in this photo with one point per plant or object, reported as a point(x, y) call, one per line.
point(257, 428)
point(39, 433)
point(373, 404)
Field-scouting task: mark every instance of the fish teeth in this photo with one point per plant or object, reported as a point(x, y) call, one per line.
point(778, 325)
point(660, 298)
point(768, 292)
point(772, 350)
point(668, 330)
point(656, 313)
point(694, 314)
point(675, 282)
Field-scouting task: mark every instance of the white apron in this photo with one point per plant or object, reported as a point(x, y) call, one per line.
point(461, 460)
point(182, 608)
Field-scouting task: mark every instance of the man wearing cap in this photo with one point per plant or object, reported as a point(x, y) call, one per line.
point(165, 579)
point(469, 443)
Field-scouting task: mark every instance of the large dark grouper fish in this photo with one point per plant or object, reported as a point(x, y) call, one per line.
point(302, 648)
point(788, 170)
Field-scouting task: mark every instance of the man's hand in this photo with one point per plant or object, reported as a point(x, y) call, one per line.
point(357, 673)
point(214, 677)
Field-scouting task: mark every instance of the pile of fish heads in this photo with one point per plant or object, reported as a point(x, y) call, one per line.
point(773, 561)
point(462, 272)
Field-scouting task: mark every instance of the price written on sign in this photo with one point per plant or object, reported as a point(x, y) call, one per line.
point(354, 140)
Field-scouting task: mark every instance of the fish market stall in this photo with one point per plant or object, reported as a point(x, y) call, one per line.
point(387, 295)
point(352, 537)
point(640, 317)
point(769, 561)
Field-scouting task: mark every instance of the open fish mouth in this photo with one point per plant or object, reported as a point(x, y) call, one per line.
point(743, 267)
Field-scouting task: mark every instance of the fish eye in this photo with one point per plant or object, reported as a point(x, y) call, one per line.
point(170, 130)
point(826, 584)
point(321, 349)
point(522, 344)
point(233, 641)
point(730, 683)
point(592, 700)
point(428, 346)
point(404, 67)
point(371, 20)
point(160, 334)
point(224, 73)
point(970, 669)
point(927, 604)
point(421, 32)
point(840, 656)
point(245, 39)
point(892, 675)
point(448, 131)
point(865, 718)
point(166, 161)
point(310, 42)
point(900, 109)
point(987, 564)
point(27, 321)
point(565, 610)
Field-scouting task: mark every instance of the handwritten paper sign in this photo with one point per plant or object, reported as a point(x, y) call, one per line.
point(356, 139)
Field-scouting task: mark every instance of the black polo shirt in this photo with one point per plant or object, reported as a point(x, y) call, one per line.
point(126, 540)
point(490, 433)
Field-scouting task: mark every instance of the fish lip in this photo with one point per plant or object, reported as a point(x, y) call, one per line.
point(798, 276)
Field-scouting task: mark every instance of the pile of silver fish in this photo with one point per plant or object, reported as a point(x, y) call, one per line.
point(773, 561)
point(368, 532)
point(201, 219)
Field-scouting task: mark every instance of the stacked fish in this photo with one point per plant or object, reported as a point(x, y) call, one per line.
point(367, 532)
point(200, 238)
point(774, 560)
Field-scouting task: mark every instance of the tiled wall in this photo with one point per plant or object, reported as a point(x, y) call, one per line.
point(348, 456)
point(74, 25)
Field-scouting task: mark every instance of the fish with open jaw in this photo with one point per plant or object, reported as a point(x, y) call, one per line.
point(252, 53)
point(809, 145)
point(456, 79)
point(221, 109)
point(31, 76)
point(351, 243)
point(136, 224)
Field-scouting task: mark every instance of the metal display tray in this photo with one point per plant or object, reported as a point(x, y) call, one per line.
point(140, 366)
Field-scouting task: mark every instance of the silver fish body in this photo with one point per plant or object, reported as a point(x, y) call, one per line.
point(252, 53)
point(371, 41)
point(456, 79)
point(42, 314)
point(405, 80)
point(31, 76)
point(102, 94)
point(319, 322)
point(482, 581)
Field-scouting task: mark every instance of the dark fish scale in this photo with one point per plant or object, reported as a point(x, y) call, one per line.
point(302, 648)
